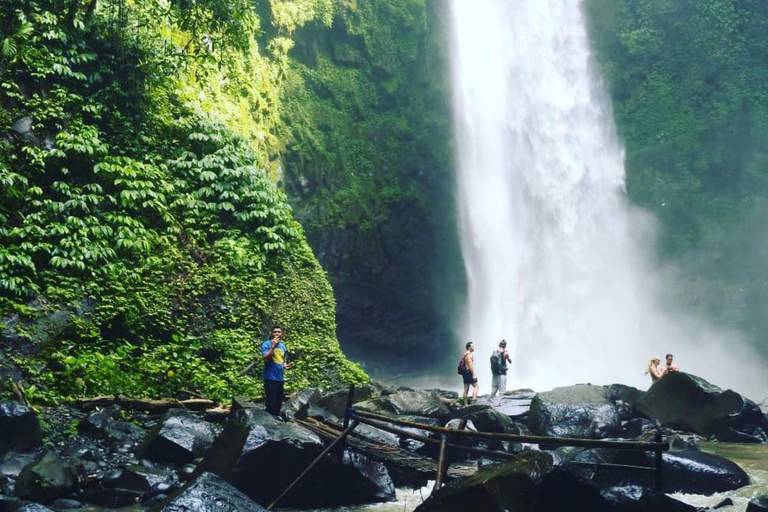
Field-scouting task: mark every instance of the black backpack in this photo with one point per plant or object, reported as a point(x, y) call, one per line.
point(462, 369)
point(498, 364)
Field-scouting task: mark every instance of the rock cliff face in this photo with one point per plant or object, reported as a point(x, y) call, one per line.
point(369, 172)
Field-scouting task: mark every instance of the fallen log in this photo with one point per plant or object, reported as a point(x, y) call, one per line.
point(144, 404)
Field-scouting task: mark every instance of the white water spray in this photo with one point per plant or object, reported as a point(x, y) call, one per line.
point(556, 258)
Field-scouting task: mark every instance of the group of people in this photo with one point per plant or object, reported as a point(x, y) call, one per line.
point(499, 360)
point(655, 372)
point(273, 352)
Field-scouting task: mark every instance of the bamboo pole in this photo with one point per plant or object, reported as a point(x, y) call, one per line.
point(551, 441)
point(330, 447)
point(440, 462)
point(405, 433)
point(445, 461)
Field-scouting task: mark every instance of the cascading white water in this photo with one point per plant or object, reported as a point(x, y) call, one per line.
point(555, 256)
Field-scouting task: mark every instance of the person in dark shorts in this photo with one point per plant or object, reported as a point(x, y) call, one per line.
point(469, 372)
point(273, 352)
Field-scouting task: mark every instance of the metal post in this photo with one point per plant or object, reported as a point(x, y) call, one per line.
point(657, 450)
point(348, 409)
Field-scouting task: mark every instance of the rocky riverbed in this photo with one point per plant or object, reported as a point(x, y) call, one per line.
point(111, 454)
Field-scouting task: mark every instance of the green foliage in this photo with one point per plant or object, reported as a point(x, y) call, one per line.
point(141, 184)
point(689, 84)
point(368, 168)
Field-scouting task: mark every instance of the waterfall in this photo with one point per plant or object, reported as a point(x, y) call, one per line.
point(558, 262)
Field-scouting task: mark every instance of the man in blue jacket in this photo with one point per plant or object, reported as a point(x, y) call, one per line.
point(273, 352)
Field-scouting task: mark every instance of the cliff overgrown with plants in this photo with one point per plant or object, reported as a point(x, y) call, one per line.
point(689, 84)
point(370, 172)
point(144, 243)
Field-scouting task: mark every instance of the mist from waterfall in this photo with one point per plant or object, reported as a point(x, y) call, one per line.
point(558, 262)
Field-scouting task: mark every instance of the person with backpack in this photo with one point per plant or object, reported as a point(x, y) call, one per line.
point(499, 360)
point(467, 371)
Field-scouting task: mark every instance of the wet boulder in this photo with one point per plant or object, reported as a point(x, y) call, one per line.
point(417, 403)
point(758, 504)
point(209, 493)
point(687, 402)
point(514, 404)
point(637, 427)
point(261, 456)
point(19, 427)
point(625, 399)
point(486, 418)
point(298, 405)
point(635, 498)
point(46, 479)
point(33, 507)
point(180, 437)
point(687, 471)
point(336, 402)
point(533, 481)
point(104, 424)
point(582, 411)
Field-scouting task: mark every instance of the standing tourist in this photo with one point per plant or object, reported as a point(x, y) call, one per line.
point(670, 367)
point(499, 360)
point(653, 369)
point(468, 362)
point(273, 352)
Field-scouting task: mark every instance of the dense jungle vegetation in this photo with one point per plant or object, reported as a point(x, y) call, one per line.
point(144, 244)
point(689, 85)
point(179, 174)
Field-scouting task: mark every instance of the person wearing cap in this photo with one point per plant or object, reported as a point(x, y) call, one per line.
point(499, 360)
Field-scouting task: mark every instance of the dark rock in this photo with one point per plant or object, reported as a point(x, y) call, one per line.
point(300, 402)
point(684, 401)
point(139, 478)
point(690, 472)
point(531, 482)
point(727, 502)
point(377, 435)
point(13, 463)
point(514, 404)
point(97, 422)
point(336, 402)
point(634, 498)
point(180, 437)
point(318, 413)
point(112, 497)
point(759, 504)
point(243, 402)
point(186, 471)
point(261, 456)
point(637, 427)
point(46, 479)
point(19, 427)
point(486, 419)
point(33, 507)
point(625, 394)
point(418, 403)
point(66, 504)
point(209, 493)
point(582, 411)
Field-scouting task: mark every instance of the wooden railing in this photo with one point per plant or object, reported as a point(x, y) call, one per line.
point(449, 437)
